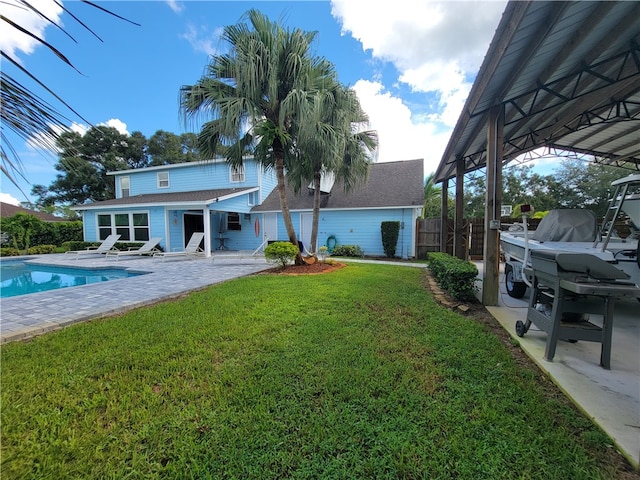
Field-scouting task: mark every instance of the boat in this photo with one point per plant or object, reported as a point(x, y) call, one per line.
point(577, 231)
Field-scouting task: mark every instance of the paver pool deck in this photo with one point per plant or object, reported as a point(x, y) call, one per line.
point(26, 316)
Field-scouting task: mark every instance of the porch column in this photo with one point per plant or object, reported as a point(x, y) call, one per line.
point(491, 260)
point(206, 217)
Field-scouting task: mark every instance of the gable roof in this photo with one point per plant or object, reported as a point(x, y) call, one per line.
point(389, 185)
point(9, 210)
point(195, 198)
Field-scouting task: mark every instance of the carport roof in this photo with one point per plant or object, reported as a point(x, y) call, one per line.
point(568, 77)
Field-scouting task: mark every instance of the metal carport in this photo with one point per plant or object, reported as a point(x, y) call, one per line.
point(560, 76)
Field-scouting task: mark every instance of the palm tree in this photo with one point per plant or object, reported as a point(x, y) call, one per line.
point(432, 198)
point(331, 141)
point(256, 93)
point(26, 114)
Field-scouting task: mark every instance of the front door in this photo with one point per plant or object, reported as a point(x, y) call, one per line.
point(271, 226)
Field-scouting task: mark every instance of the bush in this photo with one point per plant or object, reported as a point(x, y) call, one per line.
point(41, 249)
point(456, 276)
point(281, 253)
point(9, 252)
point(390, 232)
point(78, 245)
point(348, 251)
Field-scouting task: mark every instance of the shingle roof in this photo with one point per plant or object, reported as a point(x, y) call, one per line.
point(9, 210)
point(198, 196)
point(390, 184)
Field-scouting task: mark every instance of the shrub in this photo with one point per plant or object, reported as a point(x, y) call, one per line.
point(390, 232)
point(9, 252)
point(78, 245)
point(41, 249)
point(348, 251)
point(281, 253)
point(456, 276)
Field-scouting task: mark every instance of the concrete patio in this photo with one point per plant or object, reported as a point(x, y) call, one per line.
point(610, 397)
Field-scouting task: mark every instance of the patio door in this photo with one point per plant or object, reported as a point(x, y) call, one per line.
point(193, 222)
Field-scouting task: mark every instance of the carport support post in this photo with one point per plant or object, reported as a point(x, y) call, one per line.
point(444, 227)
point(491, 261)
point(458, 234)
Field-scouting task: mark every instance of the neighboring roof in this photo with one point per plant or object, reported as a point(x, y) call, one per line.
point(195, 198)
point(568, 77)
point(8, 210)
point(389, 185)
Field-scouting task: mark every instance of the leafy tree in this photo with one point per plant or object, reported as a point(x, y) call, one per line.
point(255, 93)
point(84, 161)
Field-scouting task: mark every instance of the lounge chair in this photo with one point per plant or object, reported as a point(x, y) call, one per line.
point(191, 250)
point(149, 248)
point(104, 247)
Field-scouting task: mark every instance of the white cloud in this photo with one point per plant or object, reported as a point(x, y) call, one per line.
point(400, 137)
point(115, 123)
point(177, 7)
point(8, 198)
point(201, 39)
point(11, 39)
point(437, 48)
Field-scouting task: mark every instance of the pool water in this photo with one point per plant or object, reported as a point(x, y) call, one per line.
point(20, 278)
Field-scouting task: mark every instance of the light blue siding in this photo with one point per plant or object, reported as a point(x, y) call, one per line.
point(359, 227)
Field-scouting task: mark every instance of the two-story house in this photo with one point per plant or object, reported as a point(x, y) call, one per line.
point(238, 208)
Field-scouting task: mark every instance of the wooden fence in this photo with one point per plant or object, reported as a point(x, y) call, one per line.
point(428, 235)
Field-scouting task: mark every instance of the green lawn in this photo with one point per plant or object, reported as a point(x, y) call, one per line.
point(353, 374)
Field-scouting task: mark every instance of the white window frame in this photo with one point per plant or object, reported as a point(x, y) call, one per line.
point(123, 189)
point(112, 228)
point(163, 182)
point(236, 173)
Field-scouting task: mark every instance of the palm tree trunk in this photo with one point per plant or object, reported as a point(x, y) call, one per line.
point(316, 211)
point(284, 205)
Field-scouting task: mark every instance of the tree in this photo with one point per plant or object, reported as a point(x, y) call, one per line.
point(254, 95)
point(331, 140)
point(85, 160)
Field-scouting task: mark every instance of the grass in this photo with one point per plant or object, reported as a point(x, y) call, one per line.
point(353, 374)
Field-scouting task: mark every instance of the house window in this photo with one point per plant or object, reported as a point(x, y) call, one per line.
point(252, 199)
point(163, 179)
point(237, 173)
point(233, 221)
point(124, 187)
point(131, 226)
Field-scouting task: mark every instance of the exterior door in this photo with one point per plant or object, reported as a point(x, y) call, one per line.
point(193, 222)
point(271, 226)
point(306, 224)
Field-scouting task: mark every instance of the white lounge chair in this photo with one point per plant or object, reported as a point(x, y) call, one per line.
point(191, 250)
point(149, 248)
point(104, 247)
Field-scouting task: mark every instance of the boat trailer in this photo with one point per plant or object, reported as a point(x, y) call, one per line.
point(566, 286)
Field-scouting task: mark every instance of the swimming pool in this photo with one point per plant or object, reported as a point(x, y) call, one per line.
point(21, 278)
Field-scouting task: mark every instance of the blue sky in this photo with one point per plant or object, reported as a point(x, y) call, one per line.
point(412, 63)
